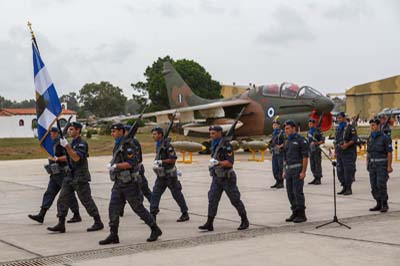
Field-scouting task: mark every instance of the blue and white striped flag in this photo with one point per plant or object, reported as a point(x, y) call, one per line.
point(48, 106)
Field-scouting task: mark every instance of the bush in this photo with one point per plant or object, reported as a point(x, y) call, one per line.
point(88, 134)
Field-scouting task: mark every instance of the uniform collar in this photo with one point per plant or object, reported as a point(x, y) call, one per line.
point(292, 136)
point(74, 141)
point(215, 142)
point(158, 143)
point(118, 141)
point(375, 134)
point(342, 125)
point(277, 131)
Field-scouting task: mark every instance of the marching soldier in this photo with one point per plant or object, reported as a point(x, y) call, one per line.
point(276, 145)
point(315, 139)
point(78, 181)
point(144, 185)
point(346, 153)
point(125, 173)
point(167, 175)
point(223, 179)
point(379, 165)
point(57, 169)
point(296, 160)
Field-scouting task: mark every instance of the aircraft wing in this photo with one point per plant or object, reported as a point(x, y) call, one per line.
point(186, 114)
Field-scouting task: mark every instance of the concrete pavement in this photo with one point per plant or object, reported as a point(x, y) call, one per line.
point(373, 240)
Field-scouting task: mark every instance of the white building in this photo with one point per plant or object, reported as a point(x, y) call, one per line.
point(21, 122)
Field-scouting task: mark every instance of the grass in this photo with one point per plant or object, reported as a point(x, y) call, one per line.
point(28, 148)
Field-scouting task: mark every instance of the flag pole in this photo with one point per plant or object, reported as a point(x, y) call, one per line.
point(33, 36)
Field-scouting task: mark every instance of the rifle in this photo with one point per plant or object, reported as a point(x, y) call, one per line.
point(131, 134)
point(229, 134)
point(133, 130)
point(64, 132)
point(165, 138)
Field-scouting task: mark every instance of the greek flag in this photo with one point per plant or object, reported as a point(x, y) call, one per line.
point(48, 106)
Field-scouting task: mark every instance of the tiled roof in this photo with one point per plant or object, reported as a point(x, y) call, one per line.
point(28, 111)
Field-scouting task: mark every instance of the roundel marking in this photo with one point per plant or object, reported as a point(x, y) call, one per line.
point(270, 112)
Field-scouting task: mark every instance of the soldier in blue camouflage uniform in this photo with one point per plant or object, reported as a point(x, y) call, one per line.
point(143, 183)
point(276, 146)
point(167, 175)
point(125, 173)
point(379, 165)
point(57, 169)
point(315, 139)
point(296, 160)
point(346, 153)
point(223, 179)
point(78, 181)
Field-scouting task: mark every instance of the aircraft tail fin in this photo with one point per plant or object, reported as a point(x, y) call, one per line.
point(179, 93)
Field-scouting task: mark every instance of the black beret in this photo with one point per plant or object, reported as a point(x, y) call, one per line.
point(276, 122)
point(343, 114)
point(117, 126)
point(76, 125)
point(312, 120)
point(215, 128)
point(159, 130)
point(375, 120)
point(291, 123)
point(54, 129)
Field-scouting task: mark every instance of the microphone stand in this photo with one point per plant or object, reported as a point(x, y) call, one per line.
point(335, 219)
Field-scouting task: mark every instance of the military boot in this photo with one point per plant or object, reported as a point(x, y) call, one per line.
point(377, 207)
point(60, 227)
point(155, 233)
point(312, 182)
point(38, 217)
point(291, 217)
point(274, 185)
point(244, 224)
point(385, 206)
point(348, 191)
point(208, 226)
point(112, 238)
point(184, 217)
point(280, 184)
point(317, 181)
point(300, 217)
point(98, 224)
point(75, 219)
point(342, 191)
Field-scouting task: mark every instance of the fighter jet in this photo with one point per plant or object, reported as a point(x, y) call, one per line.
point(262, 105)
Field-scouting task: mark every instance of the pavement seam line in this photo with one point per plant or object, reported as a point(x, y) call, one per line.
point(351, 238)
point(20, 248)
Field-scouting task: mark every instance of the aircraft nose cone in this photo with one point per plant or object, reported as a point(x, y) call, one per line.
point(325, 105)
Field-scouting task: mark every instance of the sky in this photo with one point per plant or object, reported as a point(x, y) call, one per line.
point(328, 45)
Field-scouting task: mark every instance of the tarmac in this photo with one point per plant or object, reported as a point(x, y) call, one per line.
point(374, 238)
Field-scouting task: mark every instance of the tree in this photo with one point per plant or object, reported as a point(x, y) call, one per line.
point(193, 73)
point(72, 101)
point(5, 103)
point(102, 99)
point(132, 107)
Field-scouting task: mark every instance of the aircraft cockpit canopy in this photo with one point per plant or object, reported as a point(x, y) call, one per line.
point(309, 93)
point(289, 90)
